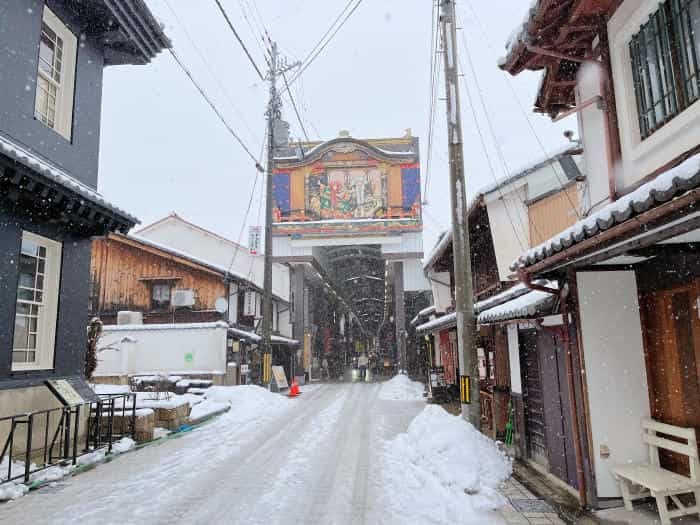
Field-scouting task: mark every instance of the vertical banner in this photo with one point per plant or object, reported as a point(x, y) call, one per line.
point(465, 393)
point(254, 235)
point(249, 303)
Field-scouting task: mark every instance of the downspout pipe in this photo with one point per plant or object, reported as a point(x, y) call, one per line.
point(562, 294)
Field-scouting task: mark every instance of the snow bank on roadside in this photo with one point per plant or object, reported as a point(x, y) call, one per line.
point(206, 409)
point(247, 400)
point(442, 470)
point(15, 489)
point(401, 388)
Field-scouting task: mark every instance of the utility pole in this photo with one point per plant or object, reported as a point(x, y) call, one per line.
point(274, 116)
point(464, 295)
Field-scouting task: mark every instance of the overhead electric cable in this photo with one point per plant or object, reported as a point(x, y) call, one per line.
point(240, 41)
point(524, 112)
point(294, 105)
point(247, 211)
point(215, 109)
point(434, 74)
point(311, 59)
point(209, 69)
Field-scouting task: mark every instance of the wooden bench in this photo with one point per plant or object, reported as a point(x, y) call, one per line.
point(650, 479)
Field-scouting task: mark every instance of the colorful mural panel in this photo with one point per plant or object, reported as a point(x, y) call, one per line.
point(352, 193)
point(280, 193)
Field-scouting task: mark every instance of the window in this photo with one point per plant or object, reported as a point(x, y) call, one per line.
point(56, 75)
point(160, 296)
point(664, 56)
point(37, 303)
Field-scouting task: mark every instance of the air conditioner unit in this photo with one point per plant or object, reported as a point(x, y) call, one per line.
point(127, 317)
point(183, 298)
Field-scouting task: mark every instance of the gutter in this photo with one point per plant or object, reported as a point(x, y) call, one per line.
point(563, 294)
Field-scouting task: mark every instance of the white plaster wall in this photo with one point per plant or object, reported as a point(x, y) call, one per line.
point(514, 358)
point(592, 130)
point(183, 237)
point(641, 158)
point(162, 350)
point(618, 396)
point(285, 325)
point(414, 279)
point(509, 227)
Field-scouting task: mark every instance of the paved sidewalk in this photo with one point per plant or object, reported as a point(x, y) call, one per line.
point(524, 508)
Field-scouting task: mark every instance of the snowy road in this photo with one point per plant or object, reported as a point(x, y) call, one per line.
point(309, 460)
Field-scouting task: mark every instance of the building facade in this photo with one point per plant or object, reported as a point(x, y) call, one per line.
point(52, 60)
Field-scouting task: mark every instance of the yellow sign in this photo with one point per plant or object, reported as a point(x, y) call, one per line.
point(307, 351)
point(465, 393)
point(267, 368)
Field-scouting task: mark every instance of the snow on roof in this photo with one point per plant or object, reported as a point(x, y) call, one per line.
point(164, 326)
point(423, 313)
point(519, 34)
point(32, 161)
point(525, 306)
point(256, 338)
point(440, 323)
point(437, 251)
point(663, 188)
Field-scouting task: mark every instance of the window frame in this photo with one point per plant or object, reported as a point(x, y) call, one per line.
point(674, 72)
point(46, 305)
point(159, 306)
point(64, 86)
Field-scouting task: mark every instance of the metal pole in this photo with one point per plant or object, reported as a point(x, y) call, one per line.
point(464, 296)
point(272, 115)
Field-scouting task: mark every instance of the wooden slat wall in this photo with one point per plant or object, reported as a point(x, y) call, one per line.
point(117, 268)
point(553, 214)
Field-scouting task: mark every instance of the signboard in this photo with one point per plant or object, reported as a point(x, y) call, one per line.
point(249, 303)
point(307, 351)
point(244, 369)
point(254, 236)
point(65, 392)
point(279, 377)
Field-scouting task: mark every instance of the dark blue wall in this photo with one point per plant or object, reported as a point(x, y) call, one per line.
point(20, 27)
point(71, 337)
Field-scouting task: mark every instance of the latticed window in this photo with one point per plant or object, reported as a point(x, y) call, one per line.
point(37, 298)
point(665, 68)
point(55, 75)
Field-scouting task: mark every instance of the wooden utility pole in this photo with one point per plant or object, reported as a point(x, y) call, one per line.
point(464, 295)
point(274, 117)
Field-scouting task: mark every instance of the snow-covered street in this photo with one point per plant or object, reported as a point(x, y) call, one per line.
point(315, 459)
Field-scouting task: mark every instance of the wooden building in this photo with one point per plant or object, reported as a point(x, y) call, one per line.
point(627, 269)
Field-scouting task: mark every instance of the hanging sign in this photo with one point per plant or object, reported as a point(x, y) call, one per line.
point(249, 301)
point(254, 235)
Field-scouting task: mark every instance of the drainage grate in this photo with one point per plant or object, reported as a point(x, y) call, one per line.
point(531, 505)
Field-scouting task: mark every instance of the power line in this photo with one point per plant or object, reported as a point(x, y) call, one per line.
point(574, 208)
point(493, 137)
point(235, 33)
point(434, 74)
point(312, 58)
point(294, 105)
point(209, 69)
point(492, 170)
point(215, 109)
point(247, 211)
point(253, 31)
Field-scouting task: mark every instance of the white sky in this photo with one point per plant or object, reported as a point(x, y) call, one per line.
point(164, 150)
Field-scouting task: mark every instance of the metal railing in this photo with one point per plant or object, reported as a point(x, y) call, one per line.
point(59, 442)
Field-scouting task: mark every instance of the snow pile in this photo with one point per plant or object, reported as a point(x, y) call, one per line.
point(207, 408)
point(442, 470)
point(101, 389)
point(401, 388)
point(247, 400)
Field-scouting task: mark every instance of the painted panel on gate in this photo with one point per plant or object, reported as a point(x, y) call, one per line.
point(280, 192)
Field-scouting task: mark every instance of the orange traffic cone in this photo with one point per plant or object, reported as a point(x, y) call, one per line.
point(293, 389)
